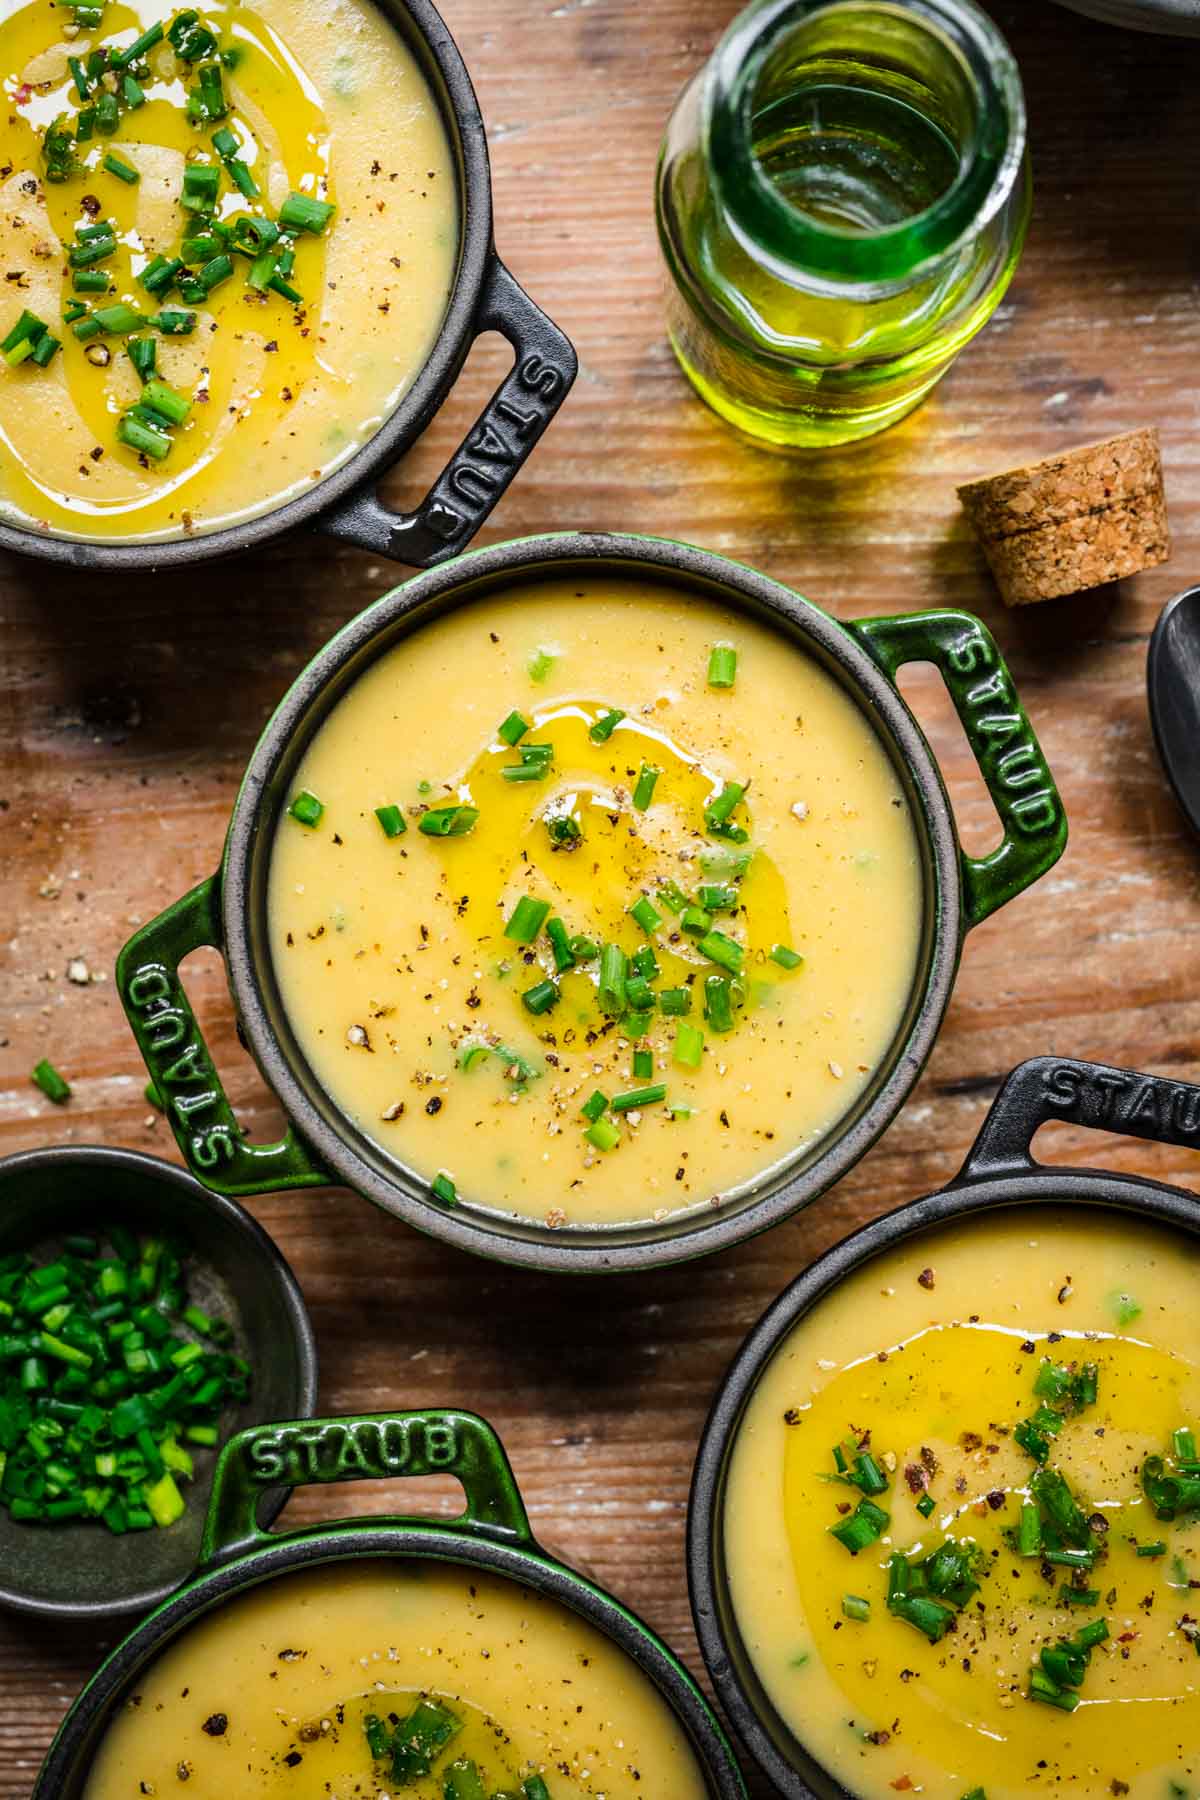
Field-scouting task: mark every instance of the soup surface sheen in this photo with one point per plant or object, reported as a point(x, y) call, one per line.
point(325, 99)
point(407, 996)
point(267, 1696)
point(935, 1349)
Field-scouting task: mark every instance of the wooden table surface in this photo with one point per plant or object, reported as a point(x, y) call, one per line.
point(129, 709)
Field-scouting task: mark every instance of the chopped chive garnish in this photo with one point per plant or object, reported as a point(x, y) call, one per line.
point(306, 809)
point(926, 1506)
point(121, 59)
point(611, 987)
point(1126, 1308)
point(977, 1793)
point(300, 212)
point(638, 993)
point(1049, 1489)
point(594, 1106)
point(91, 250)
point(643, 913)
point(786, 958)
point(1042, 1688)
point(116, 165)
point(1029, 1531)
point(79, 77)
point(603, 1134)
point(647, 781)
point(541, 997)
point(46, 349)
point(132, 92)
point(513, 729)
point(146, 439)
point(214, 273)
point(119, 319)
point(1184, 1444)
point(565, 832)
point(643, 962)
point(637, 1024)
point(206, 101)
point(108, 114)
point(142, 353)
point(722, 666)
point(542, 661)
point(718, 1002)
point(643, 1065)
point(443, 1189)
point(717, 896)
point(391, 821)
point(855, 1607)
point(473, 1055)
point(672, 896)
point(723, 950)
point(695, 921)
point(689, 1045)
point(866, 1524)
point(602, 728)
point(1073, 1596)
point(21, 342)
point(526, 919)
point(1156, 1549)
point(159, 274)
point(174, 323)
point(201, 184)
point(674, 1002)
point(636, 1097)
point(560, 944)
point(167, 401)
point(583, 949)
point(448, 821)
point(534, 764)
point(52, 1084)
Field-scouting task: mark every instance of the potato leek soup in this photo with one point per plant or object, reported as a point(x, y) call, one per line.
point(380, 1678)
point(230, 236)
point(960, 1526)
point(594, 901)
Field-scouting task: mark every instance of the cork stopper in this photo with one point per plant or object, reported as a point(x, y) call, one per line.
point(1078, 519)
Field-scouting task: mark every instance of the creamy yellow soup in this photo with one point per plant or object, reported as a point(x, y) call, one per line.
point(269, 1696)
point(935, 1350)
point(395, 956)
point(324, 99)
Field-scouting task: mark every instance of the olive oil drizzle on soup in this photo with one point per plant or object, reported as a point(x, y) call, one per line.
point(325, 100)
point(458, 1041)
point(935, 1350)
point(268, 1695)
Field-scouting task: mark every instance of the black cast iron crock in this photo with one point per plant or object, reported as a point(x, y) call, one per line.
point(484, 297)
point(230, 910)
point(492, 1534)
point(1000, 1172)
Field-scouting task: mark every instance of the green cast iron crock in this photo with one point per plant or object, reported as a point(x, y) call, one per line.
point(492, 1533)
point(484, 297)
point(230, 909)
point(1000, 1173)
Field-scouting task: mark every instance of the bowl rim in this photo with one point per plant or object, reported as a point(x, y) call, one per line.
point(256, 1243)
point(797, 1774)
point(405, 1539)
point(700, 1231)
point(463, 121)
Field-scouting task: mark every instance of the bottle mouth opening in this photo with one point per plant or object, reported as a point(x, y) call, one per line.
point(858, 139)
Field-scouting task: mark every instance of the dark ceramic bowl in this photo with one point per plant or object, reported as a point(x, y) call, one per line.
point(484, 298)
point(79, 1570)
point(230, 910)
point(999, 1173)
point(492, 1533)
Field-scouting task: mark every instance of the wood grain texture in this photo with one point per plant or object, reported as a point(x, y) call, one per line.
point(129, 708)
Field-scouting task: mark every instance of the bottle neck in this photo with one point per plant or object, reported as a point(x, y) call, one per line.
point(859, 142)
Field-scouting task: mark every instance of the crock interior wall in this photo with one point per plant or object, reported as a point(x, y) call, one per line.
point(274, 797)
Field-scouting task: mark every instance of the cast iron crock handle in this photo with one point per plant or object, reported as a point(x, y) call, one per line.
point(493, 451)
point(364, 1447)
point(1085, 1093)
point(182, 1071)
point(1009, 756)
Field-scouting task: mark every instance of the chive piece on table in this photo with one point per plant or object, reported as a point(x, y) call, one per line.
point(52, 1084)
point(647, 781)
point(512, 729)
point(526, 919)
point(300, 212)
point(602, 1134)
point(443, 1189)
point(602, 728)
point(116, 165)
point(448, 821)
point(644, 913)
point(638, 1097)
point(689, 1045)
point(722, 666)
point(306, 809)
point(541, 997)
point(854, 1606)
point(391, 821)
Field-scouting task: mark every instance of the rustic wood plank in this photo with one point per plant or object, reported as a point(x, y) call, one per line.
point(127, 711)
